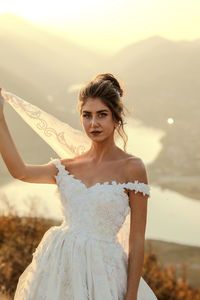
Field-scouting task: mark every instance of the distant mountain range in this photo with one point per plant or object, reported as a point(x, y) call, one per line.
point(161, 80)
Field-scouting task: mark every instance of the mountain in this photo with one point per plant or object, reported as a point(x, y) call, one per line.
point(160, 77)
point(50, 62)
point(162, 81)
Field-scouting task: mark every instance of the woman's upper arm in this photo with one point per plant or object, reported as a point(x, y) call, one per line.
point(137, 201)
point(40, 173)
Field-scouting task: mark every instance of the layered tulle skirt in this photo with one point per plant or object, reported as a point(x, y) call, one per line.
point(74, 266)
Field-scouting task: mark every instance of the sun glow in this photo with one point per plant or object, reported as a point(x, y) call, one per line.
point(60, 10)
point(110, 25)
point(170, 121)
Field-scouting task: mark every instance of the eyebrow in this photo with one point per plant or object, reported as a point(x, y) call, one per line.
point(98, 111)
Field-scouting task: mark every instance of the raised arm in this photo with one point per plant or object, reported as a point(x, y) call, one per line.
point(13, 160)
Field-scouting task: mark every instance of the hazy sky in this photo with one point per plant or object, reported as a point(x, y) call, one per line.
point(107, 26)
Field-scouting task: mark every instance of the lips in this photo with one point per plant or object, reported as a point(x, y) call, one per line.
point(95, 131)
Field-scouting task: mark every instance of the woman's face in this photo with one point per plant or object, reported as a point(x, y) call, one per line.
point(96, 116)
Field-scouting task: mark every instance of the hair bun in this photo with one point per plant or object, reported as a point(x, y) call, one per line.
point(114, 81)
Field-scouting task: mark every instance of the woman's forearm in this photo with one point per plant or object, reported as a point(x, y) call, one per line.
point(135, 264)
point(9, 152)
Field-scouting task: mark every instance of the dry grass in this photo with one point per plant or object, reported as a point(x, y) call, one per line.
point(19, 238)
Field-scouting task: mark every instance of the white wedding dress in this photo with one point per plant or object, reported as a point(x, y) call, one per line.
point(82, 258)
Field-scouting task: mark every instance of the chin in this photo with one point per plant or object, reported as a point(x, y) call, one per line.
point(96, 137)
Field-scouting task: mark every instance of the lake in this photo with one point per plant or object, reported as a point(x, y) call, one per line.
point(171, 216)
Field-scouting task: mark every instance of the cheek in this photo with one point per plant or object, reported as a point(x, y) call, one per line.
point(107, 125)
point(85, 122)
point(108, 122)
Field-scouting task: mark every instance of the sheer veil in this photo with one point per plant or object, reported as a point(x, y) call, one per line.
point(65, 140)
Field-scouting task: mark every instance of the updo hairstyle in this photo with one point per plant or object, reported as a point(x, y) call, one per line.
point(106, 87)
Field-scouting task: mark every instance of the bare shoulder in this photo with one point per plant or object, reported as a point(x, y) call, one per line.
point(136, 169)
point(69, 161)
point(66, 161)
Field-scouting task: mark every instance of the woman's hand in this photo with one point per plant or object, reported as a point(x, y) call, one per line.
point(2, 101)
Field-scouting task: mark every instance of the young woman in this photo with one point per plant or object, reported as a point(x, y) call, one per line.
point(82, 258)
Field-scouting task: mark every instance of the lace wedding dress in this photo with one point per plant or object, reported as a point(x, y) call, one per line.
point(82, 258)
point(86, 257)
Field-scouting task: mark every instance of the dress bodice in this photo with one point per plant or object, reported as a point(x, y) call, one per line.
point(97, 211)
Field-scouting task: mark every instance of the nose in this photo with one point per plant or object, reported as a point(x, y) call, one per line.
point(94, 121)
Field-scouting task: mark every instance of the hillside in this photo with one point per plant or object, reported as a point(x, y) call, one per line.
point(161, 79)
point(167, 273)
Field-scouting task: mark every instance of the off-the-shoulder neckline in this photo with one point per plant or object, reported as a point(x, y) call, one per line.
point(124, 184)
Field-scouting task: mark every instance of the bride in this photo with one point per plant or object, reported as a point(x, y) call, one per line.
point(101, 163)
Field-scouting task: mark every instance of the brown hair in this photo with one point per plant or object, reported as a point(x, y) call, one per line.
point(106, 87)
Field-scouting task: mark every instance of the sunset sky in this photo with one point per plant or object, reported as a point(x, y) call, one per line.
point(107, 26)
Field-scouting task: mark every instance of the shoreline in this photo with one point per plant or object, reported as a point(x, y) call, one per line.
point(188, 186)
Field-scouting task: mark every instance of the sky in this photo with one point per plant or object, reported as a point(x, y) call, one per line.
point(108, 26)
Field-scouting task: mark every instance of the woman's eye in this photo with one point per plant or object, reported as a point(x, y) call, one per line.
point(103, 114)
